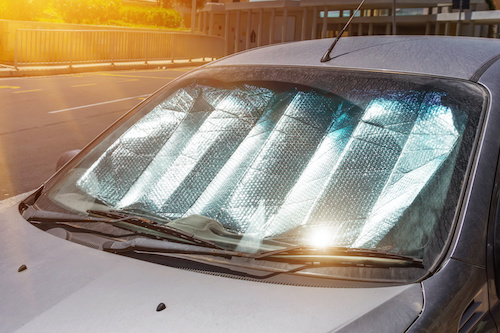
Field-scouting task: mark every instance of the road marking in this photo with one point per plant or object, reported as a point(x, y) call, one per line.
point(139, 76)
point(184, 69)
point(97, 104)
point(84, 85)
point(9, 87)
point(131, 80)
point(26, 91)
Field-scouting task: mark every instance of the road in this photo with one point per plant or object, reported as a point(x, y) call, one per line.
point(42, 117)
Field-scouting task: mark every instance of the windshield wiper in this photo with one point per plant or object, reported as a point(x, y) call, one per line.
point(308, 255)
point(44, 216)
point(153, 246)
point(145, 223)
point(312, 257)
point(116, 218)
point(159, 246)
point(318, 255)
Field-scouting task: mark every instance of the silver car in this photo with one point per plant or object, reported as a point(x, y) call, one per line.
point(272, 192)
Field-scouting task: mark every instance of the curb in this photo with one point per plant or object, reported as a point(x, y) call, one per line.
point(48, 70)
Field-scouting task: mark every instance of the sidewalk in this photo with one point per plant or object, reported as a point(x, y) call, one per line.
point(10, 71)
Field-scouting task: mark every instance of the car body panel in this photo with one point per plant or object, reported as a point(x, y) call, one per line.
point(448, 293)
point(416, 54)
point(470, 245)
point(69, 287)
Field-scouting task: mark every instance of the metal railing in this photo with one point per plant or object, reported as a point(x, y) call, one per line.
point(69, 47)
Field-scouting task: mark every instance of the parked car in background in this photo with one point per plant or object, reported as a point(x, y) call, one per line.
point(271, 192)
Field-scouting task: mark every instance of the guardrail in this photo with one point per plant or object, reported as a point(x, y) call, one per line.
point(69, 47)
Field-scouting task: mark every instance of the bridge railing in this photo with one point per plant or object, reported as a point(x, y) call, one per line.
point(69, 47)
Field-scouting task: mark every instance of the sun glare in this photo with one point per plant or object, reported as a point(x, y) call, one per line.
point(321, 237)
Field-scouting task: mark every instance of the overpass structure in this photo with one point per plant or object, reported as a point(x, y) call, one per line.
point(245, 25)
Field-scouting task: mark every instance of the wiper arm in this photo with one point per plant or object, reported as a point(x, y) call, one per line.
point(308, 255)
point(319, 255)
point(154, 226)
point(153, 245)
point(336, 256)
point(43, 216)
point(147, 245)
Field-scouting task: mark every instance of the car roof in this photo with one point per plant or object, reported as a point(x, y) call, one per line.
point(457, 57)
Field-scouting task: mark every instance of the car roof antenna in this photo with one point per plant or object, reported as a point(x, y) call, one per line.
point(326, 57)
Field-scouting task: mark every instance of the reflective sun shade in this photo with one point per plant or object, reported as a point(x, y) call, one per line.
point(288, 163)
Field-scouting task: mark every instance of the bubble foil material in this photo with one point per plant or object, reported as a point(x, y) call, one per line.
point(267, 164)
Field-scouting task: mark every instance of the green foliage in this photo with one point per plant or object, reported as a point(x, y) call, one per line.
point(185, 3)
point(88, 11)
point(103, 12)
point(21, 9)
point(155, 16)
point(111, 11)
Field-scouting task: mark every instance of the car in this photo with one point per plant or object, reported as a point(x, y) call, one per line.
point(271, 191)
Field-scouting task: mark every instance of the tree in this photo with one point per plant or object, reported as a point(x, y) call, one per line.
point(183, 3)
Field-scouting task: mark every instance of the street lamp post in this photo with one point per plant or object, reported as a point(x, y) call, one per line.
point(193, 15)
point(461, 5)
point(393, 17)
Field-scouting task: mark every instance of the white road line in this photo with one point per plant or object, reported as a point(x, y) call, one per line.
point(97, 104)
point(26, 91)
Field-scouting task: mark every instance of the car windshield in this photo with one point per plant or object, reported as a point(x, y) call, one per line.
point(304, 157)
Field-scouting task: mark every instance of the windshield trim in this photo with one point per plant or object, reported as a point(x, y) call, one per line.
point(459, 216)
point(464, 189)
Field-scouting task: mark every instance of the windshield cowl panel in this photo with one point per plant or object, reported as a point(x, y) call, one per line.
point(328, 159)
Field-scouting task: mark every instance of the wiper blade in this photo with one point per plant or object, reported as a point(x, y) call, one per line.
point(145, 223)
point(153, 245)
point(318, 254)
point(44, 216)
point(147, 245)
point(308, 255)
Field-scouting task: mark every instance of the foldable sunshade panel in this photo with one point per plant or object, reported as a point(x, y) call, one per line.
point(269, 163)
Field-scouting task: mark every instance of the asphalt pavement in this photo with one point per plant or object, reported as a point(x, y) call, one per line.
point(42, 117)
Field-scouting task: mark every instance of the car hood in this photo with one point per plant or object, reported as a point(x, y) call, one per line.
point(70, 287)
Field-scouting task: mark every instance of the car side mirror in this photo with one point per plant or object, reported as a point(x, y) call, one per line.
point(66, 157)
